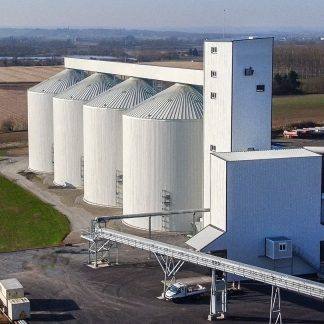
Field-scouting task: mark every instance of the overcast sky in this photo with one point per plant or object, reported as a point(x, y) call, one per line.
point(167, 14)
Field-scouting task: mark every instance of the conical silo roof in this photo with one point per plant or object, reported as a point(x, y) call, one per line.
point(89, 88)
point(59, 82)
point(179, 102)
point(124, 95)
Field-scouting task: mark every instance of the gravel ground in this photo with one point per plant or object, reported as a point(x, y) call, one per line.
point(63, 289)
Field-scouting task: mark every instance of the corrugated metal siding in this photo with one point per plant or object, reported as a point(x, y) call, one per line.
point(217, 112)
point(269, 198)
point(103, 139)
point(251, 112)
point(89, 88)
point(40, 118)
point(59, 82)
point(179, 102)
point(124, 96)
point(162, 156)
point(68, 127)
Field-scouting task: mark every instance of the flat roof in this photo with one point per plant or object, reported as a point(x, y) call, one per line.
point(265, 155)
point(9, 284)
point(231, 40)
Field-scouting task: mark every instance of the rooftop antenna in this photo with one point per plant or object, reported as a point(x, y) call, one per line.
point(224, 16)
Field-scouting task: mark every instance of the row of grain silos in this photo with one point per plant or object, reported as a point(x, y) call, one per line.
point(127, 145)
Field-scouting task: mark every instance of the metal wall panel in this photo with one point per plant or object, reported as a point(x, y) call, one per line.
point(68, 142)
point(40, 131)
point(269, 198)
point(103, 149)
point(251, 111)
point(103, 140)
point(40, 118)
point(162, 155)
point(217, 112)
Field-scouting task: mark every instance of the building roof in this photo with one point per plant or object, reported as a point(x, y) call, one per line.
point(89, 88)
point(239, 39)
point(59, 82)
point(178, 102)
point(315, 149)
point(9, 284)
point(206, 236)
point(265, 155)
point(124, 96)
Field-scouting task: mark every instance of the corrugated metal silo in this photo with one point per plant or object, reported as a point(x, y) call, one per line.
point(68, 127)
point(102, 120)
point(40, 118)
point(163, 157)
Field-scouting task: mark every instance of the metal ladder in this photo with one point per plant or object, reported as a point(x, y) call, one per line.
point(166, 205)
point(119, 188)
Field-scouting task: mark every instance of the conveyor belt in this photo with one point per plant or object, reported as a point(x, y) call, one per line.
point(277, 279)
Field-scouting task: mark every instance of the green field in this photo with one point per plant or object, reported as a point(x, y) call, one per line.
point(27, 222)
point(294, 109)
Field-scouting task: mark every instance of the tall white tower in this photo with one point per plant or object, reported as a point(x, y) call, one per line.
point(237, 99)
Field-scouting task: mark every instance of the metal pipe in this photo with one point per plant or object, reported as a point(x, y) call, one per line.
point(103, 219)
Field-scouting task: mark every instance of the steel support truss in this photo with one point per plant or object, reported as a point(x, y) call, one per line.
point(171, 258)
point(169, 266)
point(218, 298)
point(275, 306)
point(99, 253)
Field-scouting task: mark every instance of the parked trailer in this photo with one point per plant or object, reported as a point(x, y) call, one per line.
point(14, 305)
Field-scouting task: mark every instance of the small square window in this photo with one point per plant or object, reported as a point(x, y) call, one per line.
point(213, 74)
point(213, 50)
point(282, 247)
point(248, 71)
point(212, 148)
point(213, 95)
point(260, 88)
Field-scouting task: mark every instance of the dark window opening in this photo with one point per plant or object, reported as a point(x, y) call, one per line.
point(212, 148)
point(260, 88)
point(248, 71)
point(213, 50)
point(213, 95)
point(213, 74)
point(282, 246)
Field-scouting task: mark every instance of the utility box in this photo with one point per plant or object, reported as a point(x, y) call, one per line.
point(278, 248)
point(18, 309)
point(10, 289)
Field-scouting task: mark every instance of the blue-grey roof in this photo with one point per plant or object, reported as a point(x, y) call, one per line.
point(124, 96)
point(59, 82)
point(178, 102)
point(89, 88)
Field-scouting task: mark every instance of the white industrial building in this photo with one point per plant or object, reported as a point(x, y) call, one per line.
point(40, 118)
point(184, 150)
point(162, 157)
point(263, 197)
point(103, 140)
point(237, 98)
point(68, 127)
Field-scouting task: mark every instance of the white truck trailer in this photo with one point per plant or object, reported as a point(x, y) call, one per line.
point(15, 305)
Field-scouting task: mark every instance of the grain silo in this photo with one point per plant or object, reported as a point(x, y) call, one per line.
point(103, 142)
point(163, 157)
point(40, 118)
point(68, 127)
